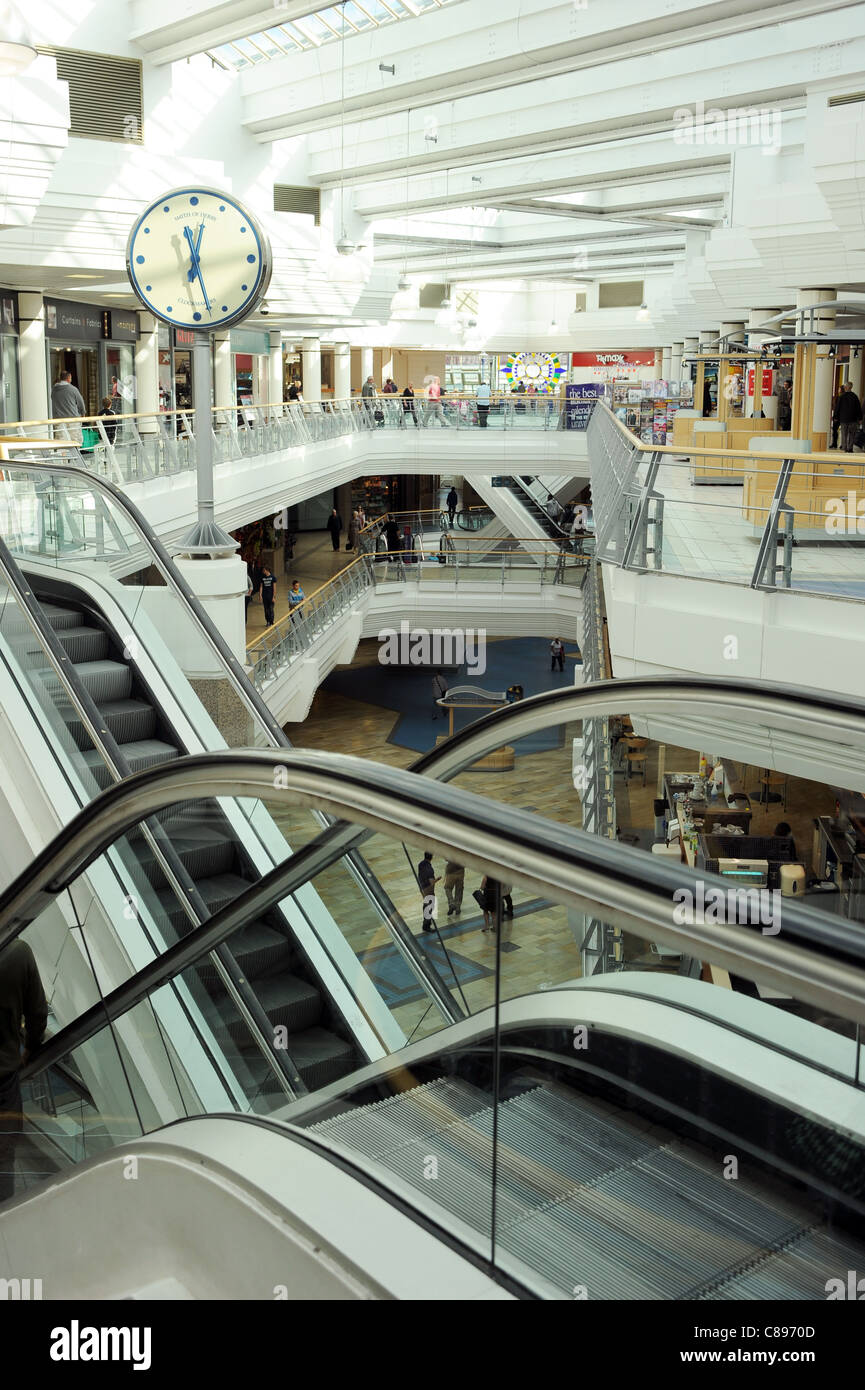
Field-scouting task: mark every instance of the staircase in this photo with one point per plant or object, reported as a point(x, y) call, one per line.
point(588, 1196)
point(264, 951)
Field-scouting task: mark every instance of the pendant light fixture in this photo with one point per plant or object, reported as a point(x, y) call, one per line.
point(345, 246)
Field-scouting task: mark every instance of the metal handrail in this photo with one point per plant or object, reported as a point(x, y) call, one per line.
point(247, 692)
point(588, 874)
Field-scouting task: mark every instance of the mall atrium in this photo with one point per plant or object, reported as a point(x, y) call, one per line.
point(431, 881)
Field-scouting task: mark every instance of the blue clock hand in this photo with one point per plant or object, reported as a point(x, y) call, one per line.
point(195, 268)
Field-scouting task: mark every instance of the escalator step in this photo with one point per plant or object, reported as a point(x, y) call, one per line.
point(150, 752)
point(128, 721)
point(321, 1056)
point(104, 680)
point(258, 949)
point(60, 617)
point(85, 643)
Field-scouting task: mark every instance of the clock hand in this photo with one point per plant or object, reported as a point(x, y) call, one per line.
point(195, 267)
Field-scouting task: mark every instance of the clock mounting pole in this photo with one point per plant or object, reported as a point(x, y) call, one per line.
point(206, 540)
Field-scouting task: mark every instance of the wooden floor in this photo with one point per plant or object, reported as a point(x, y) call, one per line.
point(541, 947)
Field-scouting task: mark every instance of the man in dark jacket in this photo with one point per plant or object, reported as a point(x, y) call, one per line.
point(426, 881)
point(785, 404)
point(21, 996)
point(334, 526)
point(849, 416)
point(453, 503)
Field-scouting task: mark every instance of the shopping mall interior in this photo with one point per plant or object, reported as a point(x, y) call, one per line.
point(432, 733)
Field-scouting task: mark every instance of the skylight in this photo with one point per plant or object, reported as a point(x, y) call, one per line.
point(317, 28)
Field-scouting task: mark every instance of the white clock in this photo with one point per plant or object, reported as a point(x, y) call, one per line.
point(198, 259)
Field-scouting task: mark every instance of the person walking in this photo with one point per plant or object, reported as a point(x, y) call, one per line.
point(434, 403)
point(507, 900)
point(353, 528)
point(21, 996)
point(389, 388)
point(482, 401)
point(295, 598)
point(294, 395)
point(455, 878)
point(268, 595)
point(67, 403)
point(557, 654)
point(427, 880)
point(408, 406)
point(439, 690)
point(367, 392)
point(849, 417)
point(487, 896)
point(334, 526)
point(452, 504)
point(392, 536)
point(248, 593)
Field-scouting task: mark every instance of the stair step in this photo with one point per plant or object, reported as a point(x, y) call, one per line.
point(85, 643)
point(217, 892)
point(105, 681)
point(288, 1001)
point(149, 752)
point(128, 721)
point(321, 1057)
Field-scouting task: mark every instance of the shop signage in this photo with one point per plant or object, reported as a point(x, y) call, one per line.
point(767, 381)
point(77, 322)
point(120, 325)
point(250, 341)
point(613, 359)
point(184, 337)
point(8, 311)
point(579, 402)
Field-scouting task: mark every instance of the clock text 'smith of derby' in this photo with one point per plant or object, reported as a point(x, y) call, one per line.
point(198, 259)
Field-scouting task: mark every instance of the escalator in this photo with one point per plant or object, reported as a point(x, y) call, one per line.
point(592, 1196)
point(265, 953)
point(520, 490)
point(607, 1169)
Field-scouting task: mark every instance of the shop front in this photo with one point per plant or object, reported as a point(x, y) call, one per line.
point(176, 390)
point(97, 346)
point(250, 361)
point(9, 394)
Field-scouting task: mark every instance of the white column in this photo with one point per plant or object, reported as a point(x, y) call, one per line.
point(275, 388)
point(367, 364)
point(707, 336)
point(824, 367)
point(32, 360)
point(676, 361)
point(666, 359)
point(311, 353)
point(224, 380)
point(342, 371)
point(147, 371)
point(734, 331)
point(220, 587)
point(659, 363)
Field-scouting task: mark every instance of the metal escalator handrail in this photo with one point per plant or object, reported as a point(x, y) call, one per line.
point(180, 884)
point(251, 699)
point(589, 874)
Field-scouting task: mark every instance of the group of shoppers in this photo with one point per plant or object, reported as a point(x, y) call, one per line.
point(487, 896)
point(261, 583)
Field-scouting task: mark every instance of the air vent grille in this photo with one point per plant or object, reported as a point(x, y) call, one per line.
point(104, 94)
point(849, 99)
point(305, 201)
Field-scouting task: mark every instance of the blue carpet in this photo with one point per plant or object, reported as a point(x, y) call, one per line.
point(395, 981)
point(408, 690)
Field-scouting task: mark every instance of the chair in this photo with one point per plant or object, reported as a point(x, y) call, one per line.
point(773, 787)
point(636, 761)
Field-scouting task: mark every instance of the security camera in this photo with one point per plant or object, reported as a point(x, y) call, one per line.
point(263, 309)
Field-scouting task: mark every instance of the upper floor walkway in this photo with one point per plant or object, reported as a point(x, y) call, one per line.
point(731, 562)
point(269, 457)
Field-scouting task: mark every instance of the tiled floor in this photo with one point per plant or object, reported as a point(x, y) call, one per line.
point(705, 534)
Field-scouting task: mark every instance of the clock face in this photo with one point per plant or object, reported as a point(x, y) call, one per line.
point(196, 258)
